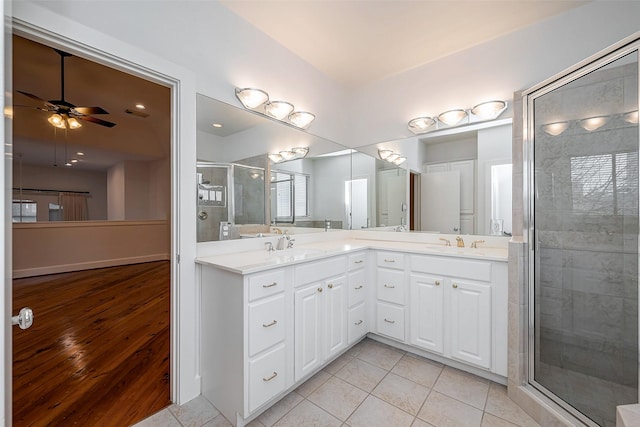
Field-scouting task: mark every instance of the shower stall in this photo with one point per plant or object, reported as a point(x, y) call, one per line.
point(581, 219)
point(228, 194)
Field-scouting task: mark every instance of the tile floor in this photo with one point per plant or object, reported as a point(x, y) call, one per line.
point(373, 385)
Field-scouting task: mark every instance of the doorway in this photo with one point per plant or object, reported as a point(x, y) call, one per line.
point(142, 206)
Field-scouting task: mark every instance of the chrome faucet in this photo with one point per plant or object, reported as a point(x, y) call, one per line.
point(447, 242)
point(474, 244)
point(460, 242)
point(269, 246)
point(290, 241)
point(280, 243)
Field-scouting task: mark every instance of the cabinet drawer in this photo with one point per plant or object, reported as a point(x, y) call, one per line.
point(357, 323)
point(390, 260)
point(266, 377)
point(357, 288)
point(390, 321)
point(450, 266)
point(266, 324)
point(315, 271)
point(390, 286)
point(264, 284)
point(357, 260)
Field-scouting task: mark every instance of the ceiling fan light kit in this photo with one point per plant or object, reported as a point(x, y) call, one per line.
point(257, 100)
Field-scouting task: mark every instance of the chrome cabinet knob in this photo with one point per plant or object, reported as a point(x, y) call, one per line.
point(455, 286)
point(330, 286)
point(437, 283)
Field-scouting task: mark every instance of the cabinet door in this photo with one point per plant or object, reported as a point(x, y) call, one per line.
point(357, 289)
point(427, 323)
point(467, 185)
point(336, 315)
point(470, 305)
point(308, 309)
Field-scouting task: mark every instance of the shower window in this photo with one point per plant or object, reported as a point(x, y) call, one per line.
point(291, 195)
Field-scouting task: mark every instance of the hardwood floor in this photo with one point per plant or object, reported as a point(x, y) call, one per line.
point(98, 351)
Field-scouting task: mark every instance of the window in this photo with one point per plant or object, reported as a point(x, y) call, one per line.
point(289, 195)
point(24, 211)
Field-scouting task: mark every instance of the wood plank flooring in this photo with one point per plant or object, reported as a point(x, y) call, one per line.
point(98, 351)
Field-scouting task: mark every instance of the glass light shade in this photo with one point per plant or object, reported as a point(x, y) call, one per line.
point(489, 110)
point(393, 157)
point(74, 123)
point(300, 151)
point(278, 109)
point(593, 123)
point(288, 155)
point(555, 129)
point(421, 124)
point(452, 117)
point(57, 121)
point(67, 164)
point(384, 154)
point(252, 98)
point(631, 117)
point(276, 158)
point(301, 119)
point(399, 161)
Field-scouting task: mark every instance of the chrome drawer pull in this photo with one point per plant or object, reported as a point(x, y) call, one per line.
point(389, 260)
point(358, 287)
point(359, 322)
point(389, 286)
point(389, 321)
point(271, 285)
point(270, 324)
point(358, 262)
point(275, 374)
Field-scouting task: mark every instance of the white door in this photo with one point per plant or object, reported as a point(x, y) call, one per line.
point(357, 192)
point(336, 312)
point(308, 308)
point(471, 322)
point(397, 198)
point(427, 322)
point(440, 202)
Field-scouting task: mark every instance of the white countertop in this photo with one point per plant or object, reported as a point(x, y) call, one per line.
point(253, 261)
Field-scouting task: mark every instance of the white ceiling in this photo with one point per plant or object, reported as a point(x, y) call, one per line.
point(357, 42)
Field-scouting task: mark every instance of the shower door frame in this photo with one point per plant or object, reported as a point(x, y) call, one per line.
point(624, 47)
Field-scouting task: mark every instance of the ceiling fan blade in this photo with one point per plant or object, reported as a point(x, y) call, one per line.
point(33, 108)
point(96, 121)
point(30, 95)
point(91, 110)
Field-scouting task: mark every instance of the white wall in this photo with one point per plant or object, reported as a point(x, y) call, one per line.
point(115, 192)
point(464, 148)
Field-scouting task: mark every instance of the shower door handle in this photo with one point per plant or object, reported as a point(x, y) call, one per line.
point(24, 319)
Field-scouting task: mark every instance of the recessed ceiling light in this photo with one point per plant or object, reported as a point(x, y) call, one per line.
point(217, 125)
point(74, 160)
point(140, 106)
point(80, 153)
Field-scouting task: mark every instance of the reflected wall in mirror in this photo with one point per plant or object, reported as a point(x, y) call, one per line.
point(264, 197)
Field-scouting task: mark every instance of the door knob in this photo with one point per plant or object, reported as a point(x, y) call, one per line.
point(24, 319)
point(203, 215)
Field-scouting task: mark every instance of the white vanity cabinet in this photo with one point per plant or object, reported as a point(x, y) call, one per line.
point(357, 296)
point(247, 328)
point(320, 312)
point(390, 294)
point(459, 309)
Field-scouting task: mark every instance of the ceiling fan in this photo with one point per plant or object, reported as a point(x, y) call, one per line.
point(66, 115)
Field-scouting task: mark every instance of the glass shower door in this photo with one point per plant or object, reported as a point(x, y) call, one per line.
point(584, 217)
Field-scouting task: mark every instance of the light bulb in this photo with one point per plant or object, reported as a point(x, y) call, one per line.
point(73, 123)
point(57, 121)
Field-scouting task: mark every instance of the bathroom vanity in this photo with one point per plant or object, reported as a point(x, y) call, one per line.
point(271, 320)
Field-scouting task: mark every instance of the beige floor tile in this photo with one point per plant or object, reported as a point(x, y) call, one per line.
point(163, 418)
point(338, 397)
point(376, 413)
point(489, 420)
point(380, 355)
point(195, 412)
point(419, 423)
point(463, 386)
point(361, 374)
point(308, 414)
point(255, 423)
point(402, 393)
point(419, 370)
point(499, 404)
point(313, 383)
point(444, 411)
point(277, 411)
point(337, 364)
point(218, 421)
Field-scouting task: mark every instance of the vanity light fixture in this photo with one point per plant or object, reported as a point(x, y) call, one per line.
point(489, 110)
point(384, 154)
point(631, 117)
point(275, 157)
point(287, 155)
point(391, 157)
point(555, 129)
point(217, 125)
point(400, 160)
point(278, 109)
point(593, 123)
point(258, 100)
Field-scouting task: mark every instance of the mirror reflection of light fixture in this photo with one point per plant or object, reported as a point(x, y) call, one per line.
point(278, 109)
point(286, 155)
point(251, 97)
point(555, 129)
point(391, 157)
point(399, 161)
point(421, 124)
point(301, 119)
point(593, 123)
point(489, 110)
point(452, 117)
point(57, 121)
point(631, 117)
point(384, 154)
